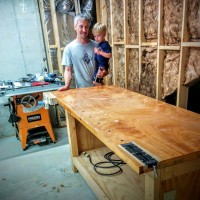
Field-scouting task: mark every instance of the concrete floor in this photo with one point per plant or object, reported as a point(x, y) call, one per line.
point(40, 172)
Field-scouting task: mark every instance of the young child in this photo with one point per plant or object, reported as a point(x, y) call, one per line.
point(102, 53)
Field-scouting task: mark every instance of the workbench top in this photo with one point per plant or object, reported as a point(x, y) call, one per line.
point(116, 116)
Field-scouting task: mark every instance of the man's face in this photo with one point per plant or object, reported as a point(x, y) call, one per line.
point(82, 29)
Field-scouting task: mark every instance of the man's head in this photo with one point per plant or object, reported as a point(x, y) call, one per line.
point(82, 25)
point(82, 17)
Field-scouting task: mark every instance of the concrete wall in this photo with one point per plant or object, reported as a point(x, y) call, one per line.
point(21, 47)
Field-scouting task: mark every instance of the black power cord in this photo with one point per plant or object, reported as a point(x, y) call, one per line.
point(104, 164)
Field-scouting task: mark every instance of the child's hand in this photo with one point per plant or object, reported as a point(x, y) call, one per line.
point(97, 51)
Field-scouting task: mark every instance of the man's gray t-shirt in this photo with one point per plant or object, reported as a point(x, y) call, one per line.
point(81, 58)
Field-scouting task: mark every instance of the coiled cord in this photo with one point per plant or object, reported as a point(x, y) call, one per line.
point(104, 164)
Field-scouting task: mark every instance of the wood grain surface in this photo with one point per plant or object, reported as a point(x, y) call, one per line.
point(116, 115)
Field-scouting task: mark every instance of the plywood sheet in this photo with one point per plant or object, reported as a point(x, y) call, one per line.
point(116, 115)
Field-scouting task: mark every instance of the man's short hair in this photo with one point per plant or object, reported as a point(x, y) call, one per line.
point(99, 28)
point(82, 17)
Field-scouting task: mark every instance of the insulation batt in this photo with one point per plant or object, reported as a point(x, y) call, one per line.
point(172, 21)
point(66, 28)
point(133, 25)
point(170, 73)
point(193, 66)
point(194, 20)
point(118, 20)
point(150, 20)
point(133, 70)
point(120, 66)
point(148, 72)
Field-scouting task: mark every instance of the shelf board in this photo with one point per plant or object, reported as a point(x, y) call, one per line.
point(191, 44)
point(53, 46)
point(132, 46)
point(169, 47)
point(127, 185)
point(118, 43)
point(149, 44)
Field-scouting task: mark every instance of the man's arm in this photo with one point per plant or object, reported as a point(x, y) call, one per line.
point(67, 77)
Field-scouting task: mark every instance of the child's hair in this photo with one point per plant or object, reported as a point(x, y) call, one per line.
point(99, 28)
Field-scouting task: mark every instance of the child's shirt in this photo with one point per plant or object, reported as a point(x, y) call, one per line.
point(102, 61)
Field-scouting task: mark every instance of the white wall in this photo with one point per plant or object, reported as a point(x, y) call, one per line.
point(21, 42)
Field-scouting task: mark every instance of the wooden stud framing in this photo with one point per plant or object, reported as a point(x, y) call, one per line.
point(141, 37)
point(45, 35)
point(55, 30)
point(182, 93)
point(126, 42)
point(77, 6)
point(98, 11)
point(102, 15)
point(56, 34)
point(160, 55)
point(112, 40)
point(183, 47)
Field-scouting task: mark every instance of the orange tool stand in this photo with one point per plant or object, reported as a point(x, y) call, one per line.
point(32, 114)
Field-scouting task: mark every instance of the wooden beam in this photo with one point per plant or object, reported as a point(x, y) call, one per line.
point(141, 35)
point(56, 34)
point(72, 135)
point(45, 34)
point(170, 48)
point(160, 68)
point(190, 44)
point(182, 91)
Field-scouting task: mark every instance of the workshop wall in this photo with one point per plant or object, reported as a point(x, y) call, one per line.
point(155, 45)
point(156, 48)
point(22, 48)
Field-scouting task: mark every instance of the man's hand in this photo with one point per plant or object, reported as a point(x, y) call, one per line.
point(96, 50)
point(102, 72)
point(63, 88)
point(67, 77)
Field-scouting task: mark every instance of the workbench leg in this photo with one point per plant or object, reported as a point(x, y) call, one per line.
point(152, 185)
point(72, 136)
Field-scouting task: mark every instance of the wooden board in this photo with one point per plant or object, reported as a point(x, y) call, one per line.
point(127, 185)
point(115, 116)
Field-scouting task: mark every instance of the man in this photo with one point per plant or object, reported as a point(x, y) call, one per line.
point(78, 56)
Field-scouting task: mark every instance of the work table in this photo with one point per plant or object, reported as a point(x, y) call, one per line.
point(115, 116)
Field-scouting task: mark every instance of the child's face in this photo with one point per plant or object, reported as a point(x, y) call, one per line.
point(99, 36)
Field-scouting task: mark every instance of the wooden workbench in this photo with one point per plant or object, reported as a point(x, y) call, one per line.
point(99, 119)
